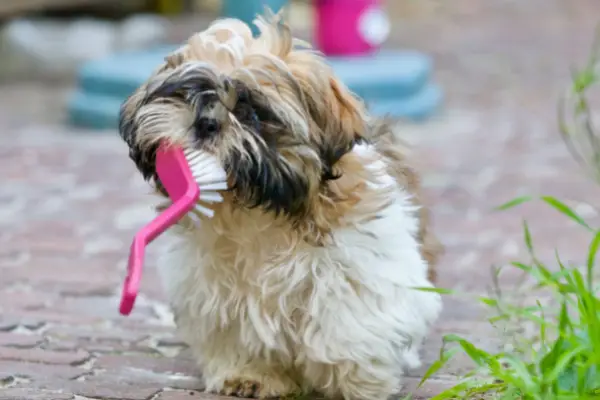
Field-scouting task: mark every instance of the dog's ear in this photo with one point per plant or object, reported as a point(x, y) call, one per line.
point(347, 109)
point(338, 118)
point(142, 156)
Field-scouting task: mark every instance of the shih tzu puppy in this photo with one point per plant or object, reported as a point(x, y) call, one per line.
point(306, 277)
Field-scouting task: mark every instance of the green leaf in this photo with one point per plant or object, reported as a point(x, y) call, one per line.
point(521, 374)
point(562, 363)
point(564, 320)
point(434, 290)
point(471, 387)
point(454, 392)
point(566, 210)
point(488, 301)
point(527, 236)
point(566, 273)
point(591, 260)
point(485, 388)
point(521, 266)
point(543, 326)
point(544, 274)
point(513, 203)
point(549, 360)
point(438, 364)
point(478, 356)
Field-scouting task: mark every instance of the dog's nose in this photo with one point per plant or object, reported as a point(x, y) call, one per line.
point(206, 128)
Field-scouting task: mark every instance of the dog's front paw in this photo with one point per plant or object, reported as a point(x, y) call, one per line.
point(241, 388)
point(263, 387)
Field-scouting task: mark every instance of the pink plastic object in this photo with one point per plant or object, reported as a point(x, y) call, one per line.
point(343, 26)
point(175, 175)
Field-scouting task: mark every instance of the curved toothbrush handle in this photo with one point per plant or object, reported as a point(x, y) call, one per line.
point(134, 275)
point(161, 223)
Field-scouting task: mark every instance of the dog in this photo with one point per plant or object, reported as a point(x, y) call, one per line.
point(309, 275)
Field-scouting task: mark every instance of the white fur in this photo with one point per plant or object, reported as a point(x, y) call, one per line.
point(256, 304)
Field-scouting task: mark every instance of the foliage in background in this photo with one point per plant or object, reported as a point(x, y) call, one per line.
point(561, 358)
point(575, 119)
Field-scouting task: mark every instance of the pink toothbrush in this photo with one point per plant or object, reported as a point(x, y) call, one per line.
point(183, 174)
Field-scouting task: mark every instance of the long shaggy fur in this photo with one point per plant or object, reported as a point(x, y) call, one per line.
point(305, 278)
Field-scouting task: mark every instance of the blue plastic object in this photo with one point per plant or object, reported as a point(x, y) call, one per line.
point(94, 111)
point(247, 10)
point(417, 107)
point(120, 74)
point(387, 74)
point(396, 83)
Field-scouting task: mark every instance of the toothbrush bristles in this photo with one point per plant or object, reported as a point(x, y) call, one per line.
point(214, 186)
point(209, 176)
point(210, 197)
point(205, 210)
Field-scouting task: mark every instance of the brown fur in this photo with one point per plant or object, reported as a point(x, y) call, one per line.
point(305, 115)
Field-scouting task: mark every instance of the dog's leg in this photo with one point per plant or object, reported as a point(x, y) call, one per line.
point(234, 364)
point(352, 380)
point(356, 347)
point(248, 380)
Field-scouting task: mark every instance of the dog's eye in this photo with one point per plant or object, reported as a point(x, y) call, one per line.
point(255, 119)
point(242, 94)
point(247, 116)
point(263, 114)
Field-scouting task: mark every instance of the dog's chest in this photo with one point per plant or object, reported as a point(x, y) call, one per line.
point(270, 285)
point(277, 272)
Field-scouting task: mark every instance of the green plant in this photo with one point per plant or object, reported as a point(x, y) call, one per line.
point(575, 121)
point(562, 360)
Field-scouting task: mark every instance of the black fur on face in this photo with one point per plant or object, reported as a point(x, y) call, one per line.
point(193, 87)
point(258, 166)
point(143, 158)
point(265, 178)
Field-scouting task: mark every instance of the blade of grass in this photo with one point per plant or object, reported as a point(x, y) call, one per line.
point(528, 240)
point(562, 362)
point(434, 290)
point(566, 210)
point(591, 260)
point(513, 203)
point(439, 364)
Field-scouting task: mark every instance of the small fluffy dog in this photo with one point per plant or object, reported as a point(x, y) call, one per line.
point(304, 280)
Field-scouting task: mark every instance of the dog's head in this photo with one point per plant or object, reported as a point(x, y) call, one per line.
point(269, 108)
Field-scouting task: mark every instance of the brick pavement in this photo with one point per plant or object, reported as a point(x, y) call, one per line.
point(70, 201)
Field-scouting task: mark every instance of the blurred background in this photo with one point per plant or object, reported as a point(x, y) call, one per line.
point(474, 87)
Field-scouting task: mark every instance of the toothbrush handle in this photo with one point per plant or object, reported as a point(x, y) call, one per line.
point(162, 222)
point(134, 274)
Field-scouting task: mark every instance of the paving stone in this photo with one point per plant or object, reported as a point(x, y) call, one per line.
point(8, 339)
point(33, 394)
point(188, 395)
point(99, 339)
point(43, 356)
point(8, 324)
point(150, 363)
point(35, 319)
point(21, 296)
point(110, 390)
point(39, 372)
point(433, 387)
point(143, 378)
point(99, 333)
